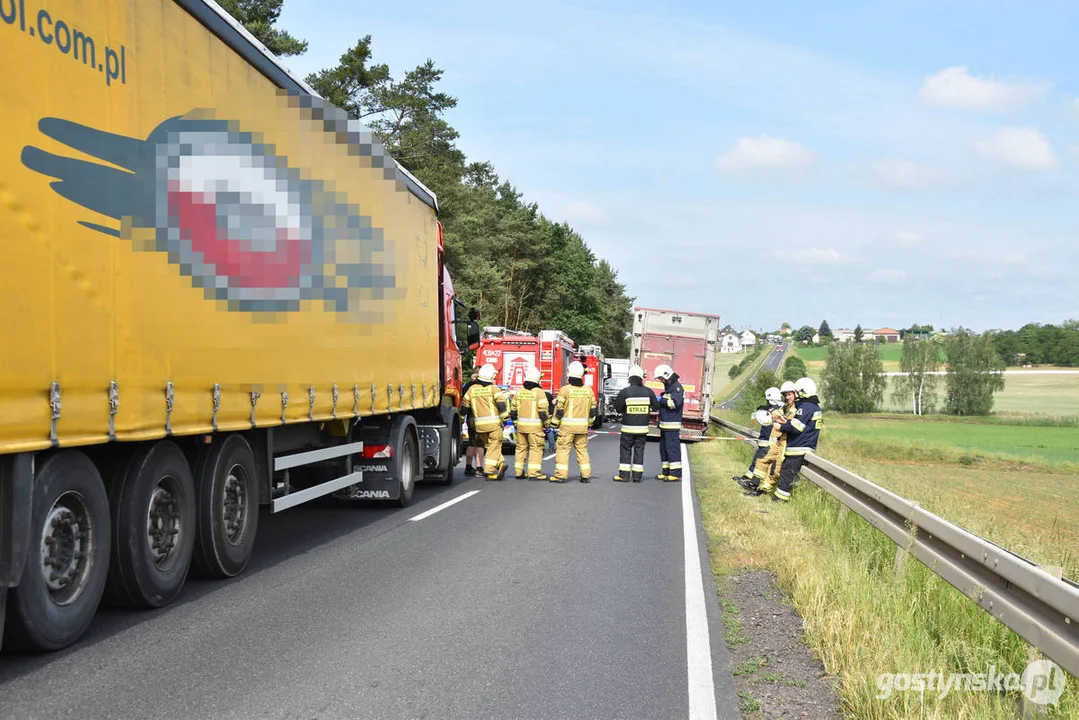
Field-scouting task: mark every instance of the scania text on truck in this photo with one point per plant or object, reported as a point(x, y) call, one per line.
point(220, 293)
point(687, 342)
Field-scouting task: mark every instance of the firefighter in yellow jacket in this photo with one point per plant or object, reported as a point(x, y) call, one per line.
point(489, 408)
point(529, 412)
point(574, 412)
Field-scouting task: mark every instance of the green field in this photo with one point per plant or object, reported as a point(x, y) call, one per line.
point(1023, 442)
point(1023, 394)
point(890, 355)
point(721, 384)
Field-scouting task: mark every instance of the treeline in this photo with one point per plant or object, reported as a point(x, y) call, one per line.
point(1032, 344)
point(958, 372)
point(517, 267)
point(1039, 344)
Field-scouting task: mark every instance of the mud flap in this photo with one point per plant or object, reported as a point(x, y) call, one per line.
point(382, 475)
point(16, 485)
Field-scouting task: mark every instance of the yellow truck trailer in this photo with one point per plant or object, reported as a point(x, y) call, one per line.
point(219, 292)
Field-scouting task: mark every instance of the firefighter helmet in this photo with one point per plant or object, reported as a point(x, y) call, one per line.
point(664, 372)
point(576, 369)
point(787, 387)
point(488, 372)
point(773, 396)
point(532, 375)
point(806, 387)
point(636, 371)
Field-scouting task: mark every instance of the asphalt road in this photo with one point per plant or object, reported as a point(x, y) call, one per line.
point(772, 362)
point(521, 599)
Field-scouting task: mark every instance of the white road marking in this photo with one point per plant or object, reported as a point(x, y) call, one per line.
point(702, 692)
point(443, 506)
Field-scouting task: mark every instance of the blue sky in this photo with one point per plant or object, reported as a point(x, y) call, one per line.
point(873, 163)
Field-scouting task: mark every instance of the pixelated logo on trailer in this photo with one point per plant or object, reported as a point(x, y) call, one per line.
point(231, 213)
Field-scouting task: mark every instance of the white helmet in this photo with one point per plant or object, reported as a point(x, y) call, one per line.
point(664, 371)
point(576, 369)
point(532, 374)
point(636, 371)
point(773, 396)
point(488, 372)
point(787, 387)
point(806, 387)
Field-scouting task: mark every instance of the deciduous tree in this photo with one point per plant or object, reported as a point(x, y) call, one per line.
point(853, 379)
point(975, 372)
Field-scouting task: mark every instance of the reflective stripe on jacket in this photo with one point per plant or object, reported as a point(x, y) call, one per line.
point(529, 409)
point(635, 403)
point(574, 409)
point(487, 404)
point(802, 431)
point(670, 406)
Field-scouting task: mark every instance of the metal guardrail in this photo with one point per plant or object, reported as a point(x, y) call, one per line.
point(1039, 607)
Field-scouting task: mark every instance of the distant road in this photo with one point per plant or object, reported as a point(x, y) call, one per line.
point(775, 357)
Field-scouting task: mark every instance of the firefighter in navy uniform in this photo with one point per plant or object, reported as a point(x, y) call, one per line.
point(529, 411)
point(487, 405)
point(763, 417)
point(574, 412)
point(671, 403)
point(635, 403)
point(803, 432)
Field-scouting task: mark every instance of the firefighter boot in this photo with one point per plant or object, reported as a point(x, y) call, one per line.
point(618, 477)
point(499, 473)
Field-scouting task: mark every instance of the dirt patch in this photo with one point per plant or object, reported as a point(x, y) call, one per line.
point(775, 674)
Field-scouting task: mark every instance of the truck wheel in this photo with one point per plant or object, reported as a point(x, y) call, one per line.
point(410, 468)
point(152, 501)
point(68, 564)
point(228, 511)
point(455, 454)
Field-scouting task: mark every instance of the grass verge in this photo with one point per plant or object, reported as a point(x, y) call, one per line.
point(862, 618)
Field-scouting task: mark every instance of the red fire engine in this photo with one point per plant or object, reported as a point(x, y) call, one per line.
point(512, 352)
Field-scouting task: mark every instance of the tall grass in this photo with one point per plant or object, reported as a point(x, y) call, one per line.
point(862, 617)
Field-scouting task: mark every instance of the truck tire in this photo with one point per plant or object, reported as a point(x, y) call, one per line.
point(152, 503)
point(64, 576)
point(409, 465)
point(446, 477)
point(227, 495)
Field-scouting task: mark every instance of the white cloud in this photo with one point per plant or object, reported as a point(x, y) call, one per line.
point(583, 212)
point(906, 237)
point(765, 152)
point(905, 174)
point(888, 276)
point(1024, 148)
point(812, 256)
point(956, 87)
